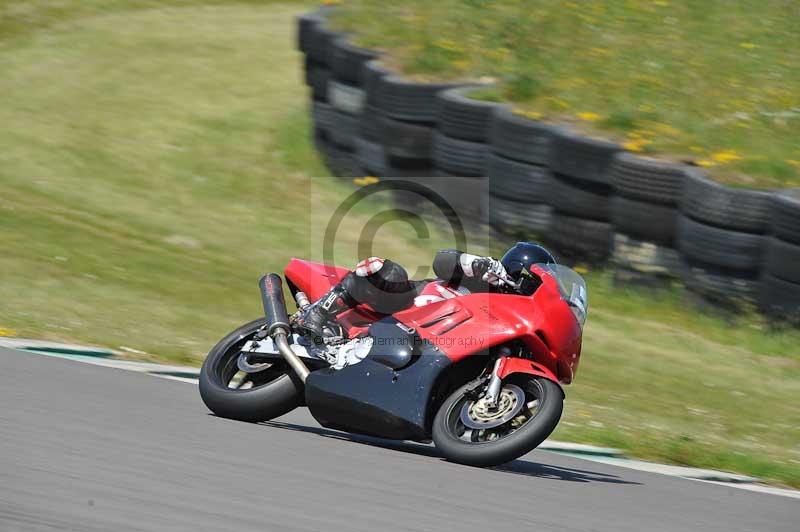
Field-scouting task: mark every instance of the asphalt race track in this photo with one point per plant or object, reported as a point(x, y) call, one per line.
point(88, 448)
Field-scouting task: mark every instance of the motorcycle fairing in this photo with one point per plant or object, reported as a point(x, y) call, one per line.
point(313, 278)
point(473, 323)
point(464, 325)
point(373, 399)
point(511, 365)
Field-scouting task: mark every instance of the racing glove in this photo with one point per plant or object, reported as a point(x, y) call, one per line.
point(487, 269)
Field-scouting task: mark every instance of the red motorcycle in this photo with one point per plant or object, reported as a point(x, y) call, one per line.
point(479, 374)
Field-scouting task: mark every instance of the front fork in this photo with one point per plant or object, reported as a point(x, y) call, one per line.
point(495, 381)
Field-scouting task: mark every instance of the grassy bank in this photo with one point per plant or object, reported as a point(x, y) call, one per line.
point(154, 162)
point(715, 81)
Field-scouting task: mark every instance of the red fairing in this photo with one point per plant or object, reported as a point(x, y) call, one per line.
point(471, 324)
point(509, 365)
point(313, 278)
point(476, 322)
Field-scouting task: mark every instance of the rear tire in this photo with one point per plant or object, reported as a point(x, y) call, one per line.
point(274, 392)
point(507, 447)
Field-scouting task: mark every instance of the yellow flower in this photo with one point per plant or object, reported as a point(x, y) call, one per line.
point(793, 162)
point(636, 145)
point(7, 332)
point(461, 64)
point(331, 2)
point(705, 163)
point(667, 129)
point(589, 116)
point(747, 45)
point(364, 181)
point(726, 156)
point(533, 115)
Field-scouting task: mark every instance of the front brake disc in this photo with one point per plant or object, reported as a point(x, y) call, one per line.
point(480, 415)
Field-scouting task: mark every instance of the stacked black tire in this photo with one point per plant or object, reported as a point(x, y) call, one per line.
point(461, 150)
point(370, 149)
point(644, 213)
point(779, 293)
point(580, 195)
point(721, 236)
point(314, 40)
point(408, 112)
point(333, 71)
point(585, 197)
point(520, 181)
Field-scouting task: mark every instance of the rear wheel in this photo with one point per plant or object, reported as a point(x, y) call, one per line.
point(267, 391)
point(468, 431)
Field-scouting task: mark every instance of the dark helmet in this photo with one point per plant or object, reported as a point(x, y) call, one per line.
point(524, 254)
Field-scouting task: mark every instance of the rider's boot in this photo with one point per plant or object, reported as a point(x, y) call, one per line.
point(317, 315)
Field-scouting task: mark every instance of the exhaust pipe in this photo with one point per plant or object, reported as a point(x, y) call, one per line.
point(278, 321)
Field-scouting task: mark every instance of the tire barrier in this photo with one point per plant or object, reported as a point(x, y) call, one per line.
point(582, 199)
point(318, 77)
point(644, 221)
point(579, 238)
point(779, 299)
point(407, 100)
point(519, 218)
point(371, 156)
point(786, 216)
point(459, 157)
point(645, 213)
point(407, 143)
point(461, 117)
point(729, 288)
point(346, 98)
point(521, 139)
point(520, 182)
point(654, 221)
point(582, 158)
point(731, 208)
point(642, 258)
point(517, 181)
point(779, 294)
point(347, 61)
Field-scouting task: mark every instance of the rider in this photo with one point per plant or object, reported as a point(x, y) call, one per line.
point(384, 284)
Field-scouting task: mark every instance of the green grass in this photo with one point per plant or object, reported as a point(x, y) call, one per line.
point(668, 382)
point(155, 161)
point(714, 81)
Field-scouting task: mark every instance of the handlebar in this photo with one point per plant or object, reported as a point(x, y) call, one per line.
point(511, 283)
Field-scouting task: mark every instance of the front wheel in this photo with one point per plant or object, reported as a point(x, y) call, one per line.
point(468, 431)
point(268, 393)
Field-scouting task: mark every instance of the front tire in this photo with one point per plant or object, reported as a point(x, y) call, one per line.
point(254, 397)
point(538, 417)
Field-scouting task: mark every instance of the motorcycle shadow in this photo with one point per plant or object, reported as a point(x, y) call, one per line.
point(517, 467)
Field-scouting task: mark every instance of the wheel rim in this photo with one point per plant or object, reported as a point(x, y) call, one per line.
point(481, 415)
point(227, 369)
point(472, 421)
